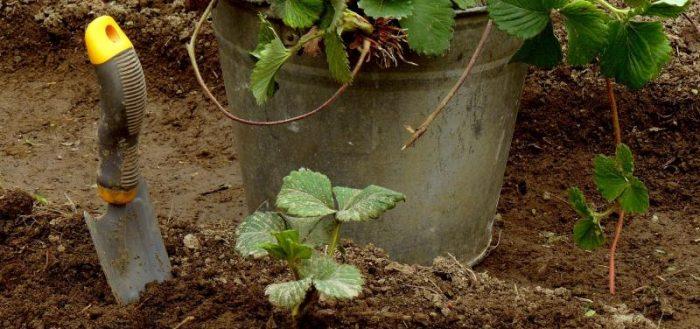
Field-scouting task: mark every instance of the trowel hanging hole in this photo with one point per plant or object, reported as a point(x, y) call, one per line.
point(112, 33)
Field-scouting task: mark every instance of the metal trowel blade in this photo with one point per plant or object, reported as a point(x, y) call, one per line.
point(130, 246)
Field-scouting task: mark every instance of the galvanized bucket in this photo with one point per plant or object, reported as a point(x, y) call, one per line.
point(452, 178)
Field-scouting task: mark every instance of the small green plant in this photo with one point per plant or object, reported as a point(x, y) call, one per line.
point(615, 180)
point(311, 213)
point(630, 43)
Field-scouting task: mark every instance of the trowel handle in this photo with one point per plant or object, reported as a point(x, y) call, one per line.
point(122, 103)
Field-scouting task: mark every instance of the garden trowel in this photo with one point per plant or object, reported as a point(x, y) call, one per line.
point(127, 238)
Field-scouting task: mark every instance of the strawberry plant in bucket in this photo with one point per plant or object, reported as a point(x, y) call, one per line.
point(628, 44)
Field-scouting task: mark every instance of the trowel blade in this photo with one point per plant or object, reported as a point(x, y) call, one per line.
point(130, 246)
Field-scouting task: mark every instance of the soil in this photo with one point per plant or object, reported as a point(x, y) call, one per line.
point(534, 277)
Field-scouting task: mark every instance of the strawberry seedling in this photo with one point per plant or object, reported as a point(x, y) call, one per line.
point(615, 180)
point(311, 213)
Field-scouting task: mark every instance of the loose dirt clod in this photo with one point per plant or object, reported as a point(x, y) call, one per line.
point(14, 203)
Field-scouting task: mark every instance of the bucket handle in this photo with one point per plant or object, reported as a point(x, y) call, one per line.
point(193, 60)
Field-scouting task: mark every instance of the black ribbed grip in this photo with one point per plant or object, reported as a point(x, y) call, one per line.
point(123, 102)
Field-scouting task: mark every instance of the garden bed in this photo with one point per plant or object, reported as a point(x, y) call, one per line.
point(49, 274)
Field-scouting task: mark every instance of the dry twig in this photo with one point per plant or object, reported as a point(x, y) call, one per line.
point(418, 133)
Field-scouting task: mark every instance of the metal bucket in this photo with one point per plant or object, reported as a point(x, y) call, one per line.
point(452, 178)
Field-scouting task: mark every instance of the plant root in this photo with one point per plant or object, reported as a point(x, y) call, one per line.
point(193, 60)
point(418, 133)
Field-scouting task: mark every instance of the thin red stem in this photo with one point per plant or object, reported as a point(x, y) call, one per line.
point(618, 140)
point(614, 112)
point(613, 248)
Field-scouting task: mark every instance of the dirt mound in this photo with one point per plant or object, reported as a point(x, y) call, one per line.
point(15, 203)
point(50, 277)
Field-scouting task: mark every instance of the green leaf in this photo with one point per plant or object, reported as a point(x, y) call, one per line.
point(288, 294)
point(635, 199)
point(543, 50)
point(636, 52)
point(667, 8)
point(292, 247)
point(608, 177)
point(522, 18)
point(306, 193)
point(370, 203)
point(265, 36)
point(578, 201)
point(465, 4)
point(588, 234)
point(298, 13)
point(271, 58)
point(637, 3)
point(257, 230)
point(315, 231)
point(337, 57)
point(332, 279)
point(430, 27)
point(587, 28)
point(386, 8)
point(624, 157)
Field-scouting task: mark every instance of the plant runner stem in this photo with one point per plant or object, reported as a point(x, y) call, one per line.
point(193, 60)
point(613, 248)
point(418, 133)
point(614, 112)
point(618, 227)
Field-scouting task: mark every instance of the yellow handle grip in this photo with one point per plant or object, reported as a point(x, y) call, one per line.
point(105, 39)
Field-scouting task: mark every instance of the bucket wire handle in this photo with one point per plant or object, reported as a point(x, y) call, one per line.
point(193, 60)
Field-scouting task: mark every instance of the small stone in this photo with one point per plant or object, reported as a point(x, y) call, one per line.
point(546, 195)
point(61, 248)
point(54, 238)
point(191, 242)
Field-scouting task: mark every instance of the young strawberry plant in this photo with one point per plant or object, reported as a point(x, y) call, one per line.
point(615, 180)
point(311, 213)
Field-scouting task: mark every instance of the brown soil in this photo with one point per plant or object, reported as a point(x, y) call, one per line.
point(50, 277)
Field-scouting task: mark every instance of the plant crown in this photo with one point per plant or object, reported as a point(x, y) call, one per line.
point(310, 215)
point(630, 43)
point(614, 179)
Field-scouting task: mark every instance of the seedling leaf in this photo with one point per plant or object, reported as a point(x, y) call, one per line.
point(337, 57)
point(588, 234)
point(624, 157)
point(265, 36)
point(430, 26)
point(608, 177)
point(271, 58)
point(635, 53)
point(464, 4)
point(587, 28)
point(635, 199)
point(288, 294)
point(306, 193)
point(386, 8)
point(298, 13)
point(332, 279)
point(667, 8)
point(312, 230)
point(370, 203)
point(578, 201)
point(256, 231)
point(292, 248)
point(522, 18)
point(543, 50)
